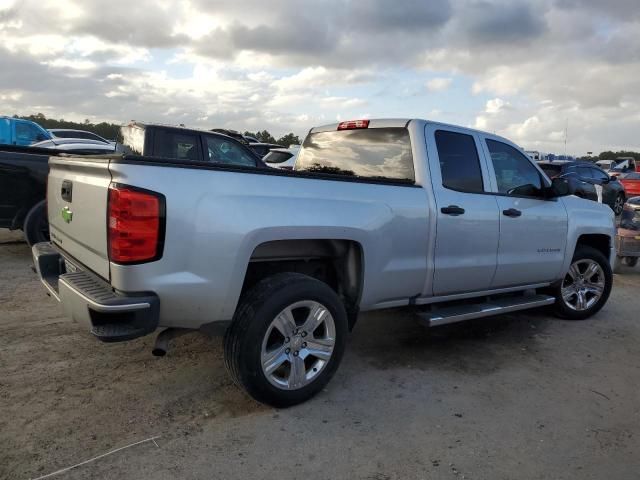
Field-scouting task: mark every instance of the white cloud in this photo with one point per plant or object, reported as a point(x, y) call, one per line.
point(439, 84)
point(285, 65)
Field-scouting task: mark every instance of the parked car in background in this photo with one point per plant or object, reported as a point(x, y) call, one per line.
point(628, 234)
point(78, 146)
point(14, 131)
point(283, 158)
point(233, 134)
point(261, 149)
point(631, 183)
point(187, 145)
point(606, 164)
point(623, 168)
point(377, 214)
point(70, 133)
point(588, 181)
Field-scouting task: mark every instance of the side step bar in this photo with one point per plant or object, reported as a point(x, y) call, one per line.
point(498, 306)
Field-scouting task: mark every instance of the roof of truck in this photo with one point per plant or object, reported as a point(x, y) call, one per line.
point(404, 122)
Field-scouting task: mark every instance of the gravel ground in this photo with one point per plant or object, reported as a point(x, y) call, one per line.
point(521, 396)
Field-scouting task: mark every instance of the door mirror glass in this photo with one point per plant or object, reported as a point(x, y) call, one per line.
point(559, 188)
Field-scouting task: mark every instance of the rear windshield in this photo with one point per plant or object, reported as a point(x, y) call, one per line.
point(376, 153)
point(277, 157)
point(551, 170)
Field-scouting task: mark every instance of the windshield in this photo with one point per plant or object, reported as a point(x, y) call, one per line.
point(376, 153)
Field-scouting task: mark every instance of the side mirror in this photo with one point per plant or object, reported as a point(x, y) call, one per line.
point(559, 188)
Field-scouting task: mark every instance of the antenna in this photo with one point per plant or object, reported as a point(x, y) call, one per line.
point(566, 134)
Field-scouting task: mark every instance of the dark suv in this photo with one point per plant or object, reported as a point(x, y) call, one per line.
point(588, 181)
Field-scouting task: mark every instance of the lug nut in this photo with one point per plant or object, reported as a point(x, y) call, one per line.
point(304, 334)
point(295, 354)
point(304, 344)
point(287, 351)
point(286, 340)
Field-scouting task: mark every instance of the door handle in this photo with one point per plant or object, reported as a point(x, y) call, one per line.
point(512, 212)
point(452, 210)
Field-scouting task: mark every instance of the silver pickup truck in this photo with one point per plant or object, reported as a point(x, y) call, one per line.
point(452, 222)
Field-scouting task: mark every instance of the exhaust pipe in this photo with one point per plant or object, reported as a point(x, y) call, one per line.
point(164, 337)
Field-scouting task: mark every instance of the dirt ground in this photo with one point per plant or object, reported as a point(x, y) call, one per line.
point(523, 396)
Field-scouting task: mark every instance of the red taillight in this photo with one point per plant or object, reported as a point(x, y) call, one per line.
point(353, 124)
point(134, 225)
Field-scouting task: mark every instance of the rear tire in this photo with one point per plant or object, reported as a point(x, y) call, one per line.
point(265, 347)
point(631, 261)
point(36, 224)
point(586, 287)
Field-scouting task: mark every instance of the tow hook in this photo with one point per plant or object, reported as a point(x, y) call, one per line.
point(164, 337)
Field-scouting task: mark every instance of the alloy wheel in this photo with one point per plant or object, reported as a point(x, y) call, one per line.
point(298, 345)
point(583, 285)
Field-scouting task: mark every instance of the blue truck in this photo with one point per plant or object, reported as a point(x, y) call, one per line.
point(14, 131)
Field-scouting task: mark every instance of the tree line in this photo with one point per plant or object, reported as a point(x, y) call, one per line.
point(111, 131)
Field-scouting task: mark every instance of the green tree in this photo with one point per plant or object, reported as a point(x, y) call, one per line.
point(265, 137)
point(288, 139)
point(110, 131)
point(609, 155)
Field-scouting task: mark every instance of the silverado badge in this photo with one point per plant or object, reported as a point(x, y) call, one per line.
point(67, 214)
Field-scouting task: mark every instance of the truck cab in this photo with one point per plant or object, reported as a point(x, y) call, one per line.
point(15, 131)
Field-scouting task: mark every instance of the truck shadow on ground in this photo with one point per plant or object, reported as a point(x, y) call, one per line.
point(395, 339)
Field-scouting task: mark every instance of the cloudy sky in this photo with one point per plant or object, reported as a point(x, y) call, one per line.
point(522, 69)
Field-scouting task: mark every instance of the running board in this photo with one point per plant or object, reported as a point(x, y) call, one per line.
point(498, 306)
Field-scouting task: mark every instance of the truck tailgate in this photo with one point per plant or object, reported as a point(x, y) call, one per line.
point(77, 193)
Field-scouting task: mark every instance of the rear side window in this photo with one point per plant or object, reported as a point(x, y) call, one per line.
point(373, 153)
point(26, 134)
point(181, 146)
point(226, 151)
point(459, 162)
point(5, 131)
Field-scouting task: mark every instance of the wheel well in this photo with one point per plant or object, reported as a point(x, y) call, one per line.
point(600, 242)
point(338, 263)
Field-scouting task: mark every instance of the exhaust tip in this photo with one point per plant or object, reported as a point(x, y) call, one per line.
point(158, 352)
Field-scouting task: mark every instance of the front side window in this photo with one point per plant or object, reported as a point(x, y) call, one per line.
point(459, 162)
point(599, 174)
point(181, 146)
point(227, 152)
point(515, 174)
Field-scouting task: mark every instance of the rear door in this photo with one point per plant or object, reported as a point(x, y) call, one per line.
point(533, 229)
point(467, 213)
point(77, 202)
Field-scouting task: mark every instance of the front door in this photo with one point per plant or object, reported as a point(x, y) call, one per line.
point(467, 217)
point(533, 229)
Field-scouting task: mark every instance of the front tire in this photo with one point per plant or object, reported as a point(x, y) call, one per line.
point(286, 339)
point(618, 204)
point(586, 287)
point(36, 224)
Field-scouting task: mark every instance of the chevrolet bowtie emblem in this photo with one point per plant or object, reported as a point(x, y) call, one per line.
point(67, 214)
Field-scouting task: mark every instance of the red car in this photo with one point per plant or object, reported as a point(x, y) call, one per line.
point(631, 184)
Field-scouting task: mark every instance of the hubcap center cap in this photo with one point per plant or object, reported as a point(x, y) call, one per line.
point(296, 342)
